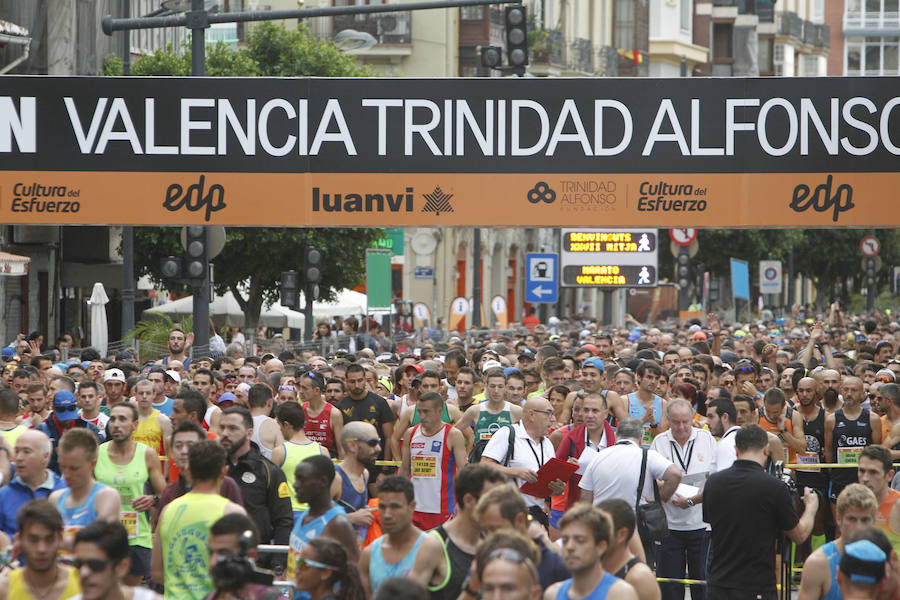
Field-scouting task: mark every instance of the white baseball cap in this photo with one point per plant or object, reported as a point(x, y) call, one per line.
point(174, 375)
point(114, 375)
point(491, 364)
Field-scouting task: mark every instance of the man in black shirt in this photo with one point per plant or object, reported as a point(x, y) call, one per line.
point(264, 488)
point(746, 570)
point(363, 405)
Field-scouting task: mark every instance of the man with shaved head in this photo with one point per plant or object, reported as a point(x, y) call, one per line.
point(361, 446)
point(814, 429)
point(520, 450)
point(831, 380)
point(850, 429)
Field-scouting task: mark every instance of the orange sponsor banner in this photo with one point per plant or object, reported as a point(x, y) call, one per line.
point(805, 200)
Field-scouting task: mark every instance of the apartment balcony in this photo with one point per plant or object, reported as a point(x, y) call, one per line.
point(823, 36)
point(581, 56)
point(393, 31)
point(860, 22)
point(790, 24)
point(545, 59)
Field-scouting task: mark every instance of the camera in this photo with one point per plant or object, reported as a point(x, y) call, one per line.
point(231, 573)
point(788, 480)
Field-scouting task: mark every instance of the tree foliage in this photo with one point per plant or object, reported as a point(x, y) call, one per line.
point(251, 263)
point(830, 257)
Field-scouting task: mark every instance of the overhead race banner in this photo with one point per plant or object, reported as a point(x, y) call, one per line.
point(791, 152)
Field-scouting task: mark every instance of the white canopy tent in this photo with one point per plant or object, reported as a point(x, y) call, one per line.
point(225, 311)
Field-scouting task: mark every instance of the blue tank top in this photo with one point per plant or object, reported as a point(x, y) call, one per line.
point(302, 533)
point(81, 515)
point(600, 592)
point(166, 407)
point(834, 559)
point(636, 410)
point(352, 501)
point(379, 570)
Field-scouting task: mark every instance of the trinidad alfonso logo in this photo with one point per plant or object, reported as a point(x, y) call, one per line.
point(438, 202)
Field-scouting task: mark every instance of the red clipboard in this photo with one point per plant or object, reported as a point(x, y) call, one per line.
point(551, 471)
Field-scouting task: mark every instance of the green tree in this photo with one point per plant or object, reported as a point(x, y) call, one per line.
point(251, 263)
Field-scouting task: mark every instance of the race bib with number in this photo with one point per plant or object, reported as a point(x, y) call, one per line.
point(131, 523)
point(849, 456)
point(808, 458)
point(485, 435)
point(424, 466)
point(647, 437)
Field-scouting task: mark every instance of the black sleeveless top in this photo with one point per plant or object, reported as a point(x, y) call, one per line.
point(849, 433)
point(459, 563)
point(621, 573)
point(815, 443)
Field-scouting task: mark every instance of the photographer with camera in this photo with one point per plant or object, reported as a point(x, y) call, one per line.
point(232, 555)
point(746, 569)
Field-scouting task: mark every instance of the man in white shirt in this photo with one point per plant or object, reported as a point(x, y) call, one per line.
point(693, 450)
point(531, 450)
point(615, 471)
point(721, 417)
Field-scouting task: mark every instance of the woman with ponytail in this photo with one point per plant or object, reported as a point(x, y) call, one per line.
point(325, 574)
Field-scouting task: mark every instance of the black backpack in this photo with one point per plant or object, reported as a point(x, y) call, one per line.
point(475, 455)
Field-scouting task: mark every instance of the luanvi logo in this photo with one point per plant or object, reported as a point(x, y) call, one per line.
point(195, 198)
point(541, 191)
point(438, 201)
point(821, 199)
point(354, 202)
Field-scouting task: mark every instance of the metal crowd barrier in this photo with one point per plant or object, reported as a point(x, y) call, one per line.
point(285, 587)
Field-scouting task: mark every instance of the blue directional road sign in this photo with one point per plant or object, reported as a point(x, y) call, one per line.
point(541, 278)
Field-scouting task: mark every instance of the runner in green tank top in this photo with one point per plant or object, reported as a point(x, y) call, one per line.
point(480, 421)
point(180, 544)
point(291, 418)
point(127, 465)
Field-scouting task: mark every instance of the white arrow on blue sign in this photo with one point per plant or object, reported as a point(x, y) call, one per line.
point(541, 278)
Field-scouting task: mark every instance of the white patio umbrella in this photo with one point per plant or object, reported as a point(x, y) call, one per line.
point(99, 329)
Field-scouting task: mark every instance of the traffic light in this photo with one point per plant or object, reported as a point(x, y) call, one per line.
point(517, 36)
point(870, 272)
point(491, 56)
point(290, 284)
point(312, 271)
point(683, 269)
point(195, 264)
point(170, 267)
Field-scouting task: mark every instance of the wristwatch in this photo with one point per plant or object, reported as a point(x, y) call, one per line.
point(690, 501)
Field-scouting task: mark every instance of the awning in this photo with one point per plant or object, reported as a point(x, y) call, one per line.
point(13, 265)
point(10, 33)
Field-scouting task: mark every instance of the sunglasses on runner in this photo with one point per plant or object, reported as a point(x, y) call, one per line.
point(370, 441)
point(94, 564)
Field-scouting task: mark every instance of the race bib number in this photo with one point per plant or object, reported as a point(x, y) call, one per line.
point(130, 521)
point(485, 435)
point(808, 458)
point(647, 438)
point(424, 466)
point(849, 456)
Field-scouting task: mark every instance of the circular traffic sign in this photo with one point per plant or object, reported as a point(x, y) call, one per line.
point(682, 236)
point(870, 246)
point(770, 274)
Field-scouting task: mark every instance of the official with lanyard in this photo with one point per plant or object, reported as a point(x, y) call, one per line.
point(529, 451)
point(693, 451)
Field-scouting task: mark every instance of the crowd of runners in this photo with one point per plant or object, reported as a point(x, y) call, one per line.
point(563, 460)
